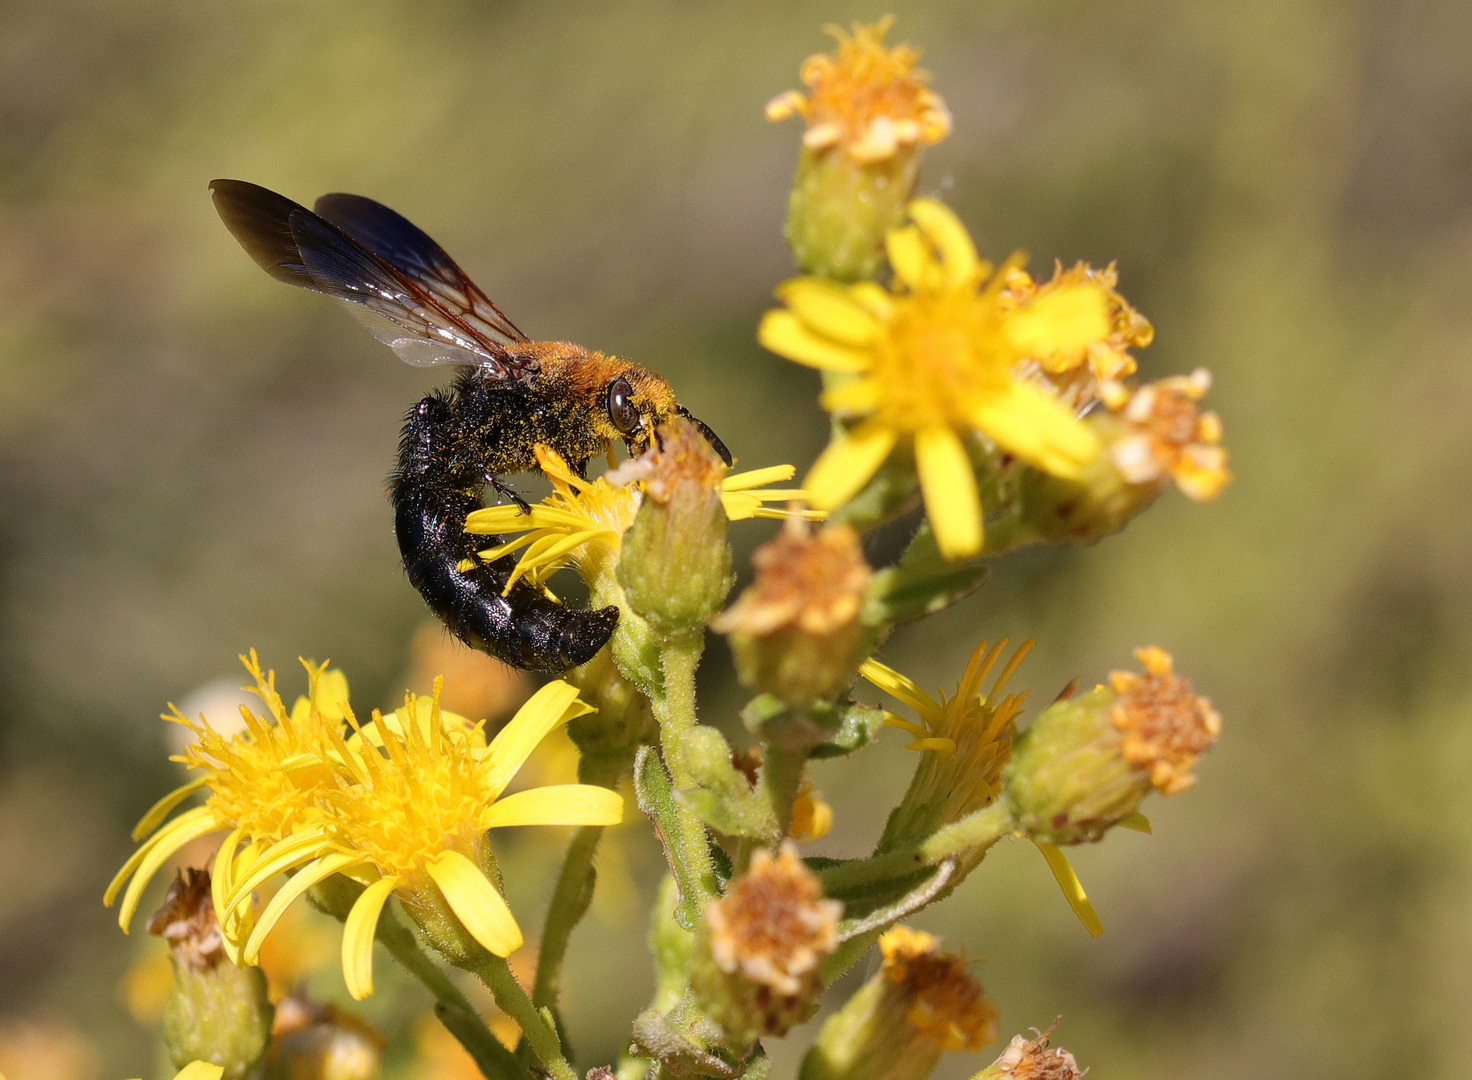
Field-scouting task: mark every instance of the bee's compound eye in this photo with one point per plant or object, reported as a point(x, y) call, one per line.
point(621, 411)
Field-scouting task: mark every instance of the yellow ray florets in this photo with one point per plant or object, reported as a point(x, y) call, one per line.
point(937, 360)
point(581, 524)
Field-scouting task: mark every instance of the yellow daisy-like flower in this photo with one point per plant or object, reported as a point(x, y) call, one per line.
point(582, 522)
point(263, 783)
point(868, 100)
point(968, 737)
point(933, 361)
point(408, 814)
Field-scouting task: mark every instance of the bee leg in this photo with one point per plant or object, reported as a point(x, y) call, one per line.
point(581, 468)
point(510, 493)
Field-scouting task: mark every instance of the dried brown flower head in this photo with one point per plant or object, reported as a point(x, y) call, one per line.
point(773, 925)
point(187, 921)
point(1166, 726)
point(813, 581)
point(796, 632)
point(942, 1001)
point(1166, 434)
point(1032, 1059)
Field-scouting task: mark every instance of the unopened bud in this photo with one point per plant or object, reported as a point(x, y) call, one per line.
point(216, 1012)
point(795, 633)
point(675, 565)
point(756, 969)
point(869, 115)
point(1033, 1059)
point(1160, 432)
point(922, 1003)
point(1086, 762)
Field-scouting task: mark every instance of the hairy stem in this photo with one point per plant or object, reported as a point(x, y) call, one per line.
point(451, 1006)
point(536, 1025)
point(674, 708)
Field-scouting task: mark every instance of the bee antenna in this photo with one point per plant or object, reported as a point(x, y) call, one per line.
point(710, 436)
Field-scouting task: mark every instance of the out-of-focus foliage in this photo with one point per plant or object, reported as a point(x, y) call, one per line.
point(192, 458)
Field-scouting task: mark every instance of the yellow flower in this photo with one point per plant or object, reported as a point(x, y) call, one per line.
point(263, 783)
point(937, 359)
point(582, 522)
point(868, 100)
point(408, 812)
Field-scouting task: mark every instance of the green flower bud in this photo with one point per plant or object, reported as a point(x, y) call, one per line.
point(757, 959)
point(1086, 763)
point(675, 566)
point(796, 633)
point(869, 115)
point(217, 1012)
point(922, 1003)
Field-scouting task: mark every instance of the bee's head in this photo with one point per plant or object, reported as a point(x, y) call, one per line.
point(636, 402)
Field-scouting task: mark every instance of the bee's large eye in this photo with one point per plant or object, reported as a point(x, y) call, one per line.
point(621, 411)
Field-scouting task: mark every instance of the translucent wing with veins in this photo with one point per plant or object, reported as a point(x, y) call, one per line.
point(397, 281)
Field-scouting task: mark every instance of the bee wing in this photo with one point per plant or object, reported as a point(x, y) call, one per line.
point(296, 246)
point(403, 245)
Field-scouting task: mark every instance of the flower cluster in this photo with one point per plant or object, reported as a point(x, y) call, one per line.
point(400, 805)
point(1006, 407)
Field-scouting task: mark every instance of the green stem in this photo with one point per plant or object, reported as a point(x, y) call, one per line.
point(780, 779)
point(674, 708)
point(451, 1006)
point(569, 904)
point(535, 1024)
point(867, 871)
point(574, 891)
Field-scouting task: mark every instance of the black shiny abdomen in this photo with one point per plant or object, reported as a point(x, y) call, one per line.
point(443, 464)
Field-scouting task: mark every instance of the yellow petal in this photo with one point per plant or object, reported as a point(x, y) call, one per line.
point(550, 706)
point(893, 721)
point(475, 902)
point(330, 693)
point(939, 745)
point(1027, 422)
point(152, 855)
point(873, 298)
point(1073, 890)
point(784, 333)
point(358, 931)
point(829, 310)
point(1070, 317)
point(852, 397)
point(896, 685)
point(949, 485)
point(909, 256)
point(499, 519)
point(847, 464)
point(222, 876)
point(278, 858)
point(944, 229)
point(165, 806)
point(556, 804)
point(757, 477)
point(200, 1070)
point(299, 883)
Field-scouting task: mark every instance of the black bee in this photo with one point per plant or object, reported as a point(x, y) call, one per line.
point(510, 394)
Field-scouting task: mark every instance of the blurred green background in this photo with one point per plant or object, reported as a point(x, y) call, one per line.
point(192, 457)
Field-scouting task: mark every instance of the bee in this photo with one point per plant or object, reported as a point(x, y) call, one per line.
point(509, 394)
